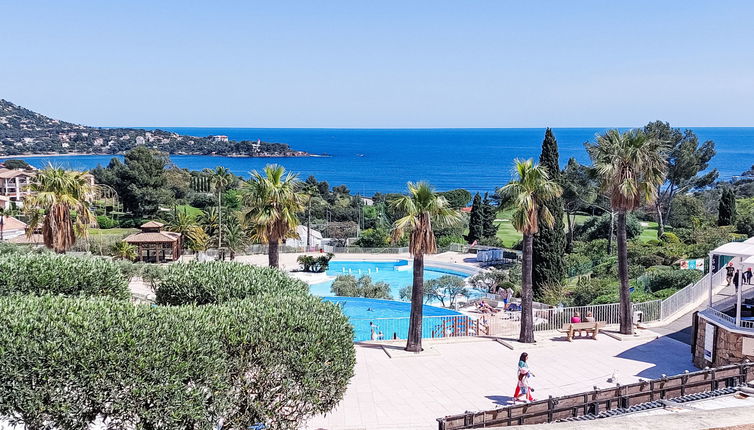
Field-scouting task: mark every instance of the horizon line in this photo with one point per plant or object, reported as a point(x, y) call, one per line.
point(413, 128)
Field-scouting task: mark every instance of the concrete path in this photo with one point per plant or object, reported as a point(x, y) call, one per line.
point(450, 378)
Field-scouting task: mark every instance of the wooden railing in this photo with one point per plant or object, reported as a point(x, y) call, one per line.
point(600, 400)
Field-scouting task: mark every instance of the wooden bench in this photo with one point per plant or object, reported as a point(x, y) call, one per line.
point(590, 327)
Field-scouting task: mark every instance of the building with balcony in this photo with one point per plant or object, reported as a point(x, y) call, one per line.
point(723, 332)
point(14, 185)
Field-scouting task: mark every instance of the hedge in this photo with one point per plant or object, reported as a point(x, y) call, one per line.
point(66, 362)
point(657, 280)
point(46, 273)
point(219, 282)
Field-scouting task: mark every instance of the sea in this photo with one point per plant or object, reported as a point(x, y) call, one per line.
point(383, 160)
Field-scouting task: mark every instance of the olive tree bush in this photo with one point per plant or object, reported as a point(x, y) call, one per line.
point(46, 273)
point(66, 362)
point(219, 282)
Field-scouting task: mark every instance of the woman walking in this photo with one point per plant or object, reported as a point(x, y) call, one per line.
point(522, 385)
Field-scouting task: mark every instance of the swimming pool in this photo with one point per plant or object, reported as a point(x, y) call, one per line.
point(397, 273)
point(391, 317)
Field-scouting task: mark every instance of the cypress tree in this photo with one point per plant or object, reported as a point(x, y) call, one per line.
point(489, 229)
point(550, 243)
point(476, 220)
point(726, 211)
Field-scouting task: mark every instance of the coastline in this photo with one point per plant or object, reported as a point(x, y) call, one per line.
point(77, 154)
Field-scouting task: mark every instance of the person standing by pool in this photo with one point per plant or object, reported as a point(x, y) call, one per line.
point(747, 276)
point(504, 295)
point(522, 376)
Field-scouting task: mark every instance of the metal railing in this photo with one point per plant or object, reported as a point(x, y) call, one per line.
point(359, 250)
point(692, 294)
point(432, 327)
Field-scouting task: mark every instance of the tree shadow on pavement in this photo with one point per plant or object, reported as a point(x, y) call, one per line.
point(669, 357)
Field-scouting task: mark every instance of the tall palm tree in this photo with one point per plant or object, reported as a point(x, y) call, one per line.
point(209, 220)
point(272, 203)
point(60, 204)
point(235, 238)
point(631, 167)
point(221, 179)
point(421, 208)
point(526, 193)
point(124, 251)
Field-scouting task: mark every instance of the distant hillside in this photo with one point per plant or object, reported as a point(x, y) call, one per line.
point(26, 132)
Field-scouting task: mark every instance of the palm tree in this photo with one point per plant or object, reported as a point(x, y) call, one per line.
point(209, 220)
point(526, 193)
point(271, 204)
point(124, 251)
point(235, 238)
point(421, 208)
point(221, 179)
point(60, 203)
point(186, 225)
point(631, 167)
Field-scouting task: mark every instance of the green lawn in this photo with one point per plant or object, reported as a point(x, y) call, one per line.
point(510, 236)
point(112, 231)
point(192, 211)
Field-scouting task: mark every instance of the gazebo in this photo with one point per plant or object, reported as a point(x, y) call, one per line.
point(154, 245)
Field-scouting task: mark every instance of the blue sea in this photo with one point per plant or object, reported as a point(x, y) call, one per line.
point(383, 160)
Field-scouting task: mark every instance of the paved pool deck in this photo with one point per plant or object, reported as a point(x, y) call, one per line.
point(410, 392)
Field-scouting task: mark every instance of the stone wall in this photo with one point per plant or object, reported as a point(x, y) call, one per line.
point(728, 345)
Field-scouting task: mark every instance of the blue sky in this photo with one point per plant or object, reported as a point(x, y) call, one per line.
point(381, 63)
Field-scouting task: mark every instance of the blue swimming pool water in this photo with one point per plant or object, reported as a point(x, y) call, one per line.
point(396, 273)
point(391, 317)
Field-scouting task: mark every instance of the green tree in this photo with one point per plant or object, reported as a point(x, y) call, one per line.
point(686, 159)
point(349, 286)
point(631, 167)
point(59, 204)
point(457, 198)
point(476, 220)
point(221, 179)
point(272, 205)
point(686, 211)
point(139, 180)
point(579, 193)
point(527, 194)
point(422, 208)
point(726, 212)
point(549, 244)
point(186, 225)
point(234, 236)
point(489, 214)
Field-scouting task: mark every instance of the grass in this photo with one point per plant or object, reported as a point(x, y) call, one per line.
point(509, 236)
point(112, 231)
point(192, 211)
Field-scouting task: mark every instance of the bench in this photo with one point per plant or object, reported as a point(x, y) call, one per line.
point(590, 327)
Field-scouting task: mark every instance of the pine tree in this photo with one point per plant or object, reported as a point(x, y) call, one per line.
point(489, 229)
point(727, 209)
point(475, 220)
point(550, 243)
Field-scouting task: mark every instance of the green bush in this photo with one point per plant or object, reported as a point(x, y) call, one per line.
point(65, 363)
point(48, 273)
point(614, 297)
point(587, 290)
point(675, 279)
point(577, 264)
point(445, 241)
point(664, 294)
point(374, 238)
point(219, 282)
point(669, 237)
point(553, 294)
point(105, 222)
point(349, 286)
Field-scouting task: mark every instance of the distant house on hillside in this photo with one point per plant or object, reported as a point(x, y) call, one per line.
point(154, 245)
point(220, 138)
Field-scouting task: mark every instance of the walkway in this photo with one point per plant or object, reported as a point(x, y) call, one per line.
point(681, 329)
point(450, 378)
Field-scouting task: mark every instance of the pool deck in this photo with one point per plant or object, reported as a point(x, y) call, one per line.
point(409, 391)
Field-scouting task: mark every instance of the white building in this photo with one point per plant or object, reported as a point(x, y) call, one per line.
point(301, 236)
point(220, 138)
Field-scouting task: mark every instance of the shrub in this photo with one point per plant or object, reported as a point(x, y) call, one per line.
point(105, 222)
point(665, 293)
point(65, 363)
point(745, 224)
point(553, 294)
point(675, 279)
point(596, 250)
point(61, 274)
point(614, 297)
point(348, 286)
point(587, 290)
point(219, 282)
point(311, 263)
point(669, 237)
point(577, 264)
point(202, 200)
point(445, 241)
point(374, 238)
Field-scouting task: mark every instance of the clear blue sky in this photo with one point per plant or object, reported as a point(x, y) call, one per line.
point(381, 63)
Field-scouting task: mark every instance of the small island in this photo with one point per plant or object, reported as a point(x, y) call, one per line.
point(26, 133)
